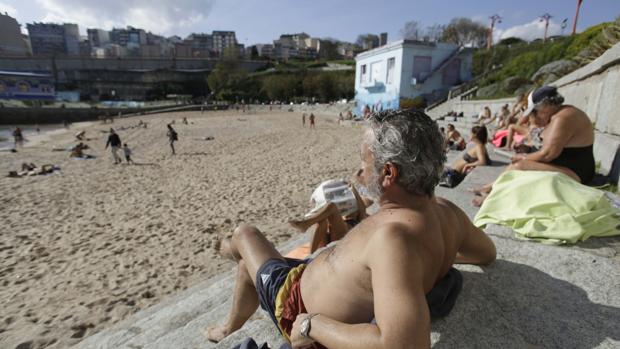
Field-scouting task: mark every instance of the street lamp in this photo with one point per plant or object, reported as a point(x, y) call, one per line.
point(545, 18)
point(494, 19)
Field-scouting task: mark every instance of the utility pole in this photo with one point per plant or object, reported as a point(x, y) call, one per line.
point(545, 18)
point(576, 16)
point(494, 19)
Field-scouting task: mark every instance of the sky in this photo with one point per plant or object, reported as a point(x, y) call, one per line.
point(262, 21)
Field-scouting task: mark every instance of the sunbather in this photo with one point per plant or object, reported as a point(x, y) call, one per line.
point(476, 155)
point(453, 139)
point(566, 141)
point(381, 269)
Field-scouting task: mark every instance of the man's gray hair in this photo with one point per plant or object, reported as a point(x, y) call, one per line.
point(411, 141)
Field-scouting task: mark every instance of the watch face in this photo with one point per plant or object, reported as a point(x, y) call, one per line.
point(304, 327)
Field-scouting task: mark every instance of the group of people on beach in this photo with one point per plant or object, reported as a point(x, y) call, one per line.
point(539, 133)
point(311, 118)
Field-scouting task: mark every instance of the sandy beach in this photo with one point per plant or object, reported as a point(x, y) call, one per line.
point(85, 248)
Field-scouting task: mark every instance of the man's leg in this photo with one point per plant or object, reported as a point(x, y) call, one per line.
point(251, 250)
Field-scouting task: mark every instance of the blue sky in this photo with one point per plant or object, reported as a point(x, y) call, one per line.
point(261, 21)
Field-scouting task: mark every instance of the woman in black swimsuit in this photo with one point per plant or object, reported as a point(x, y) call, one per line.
point(566, 141)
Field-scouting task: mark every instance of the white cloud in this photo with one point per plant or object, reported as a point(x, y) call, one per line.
point(159, 16)
point(529, 31)
point(6, 8)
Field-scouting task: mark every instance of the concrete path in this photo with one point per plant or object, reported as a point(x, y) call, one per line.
point(533, 296)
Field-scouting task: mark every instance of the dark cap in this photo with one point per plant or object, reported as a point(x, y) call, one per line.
point(538, 96)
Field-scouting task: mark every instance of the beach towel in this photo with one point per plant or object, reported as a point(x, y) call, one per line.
point(501, 137)
point(548, 207)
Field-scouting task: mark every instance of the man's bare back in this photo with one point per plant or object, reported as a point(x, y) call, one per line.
point(345, 267)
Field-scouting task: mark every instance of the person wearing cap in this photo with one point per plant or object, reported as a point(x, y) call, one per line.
point(567, 140)
point(390, 267)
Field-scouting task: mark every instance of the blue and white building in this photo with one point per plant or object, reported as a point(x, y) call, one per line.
point(407, 69)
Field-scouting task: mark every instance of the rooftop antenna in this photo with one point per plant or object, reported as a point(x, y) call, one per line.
point(545, 18)
point(494, 19)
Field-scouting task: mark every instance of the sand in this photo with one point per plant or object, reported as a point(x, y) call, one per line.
point(86, 248)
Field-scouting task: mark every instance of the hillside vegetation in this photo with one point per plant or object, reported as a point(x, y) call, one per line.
point(513, 66)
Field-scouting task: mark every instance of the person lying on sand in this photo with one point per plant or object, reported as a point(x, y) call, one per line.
point(381, 269)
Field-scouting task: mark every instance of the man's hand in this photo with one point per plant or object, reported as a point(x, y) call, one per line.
point(297, 340)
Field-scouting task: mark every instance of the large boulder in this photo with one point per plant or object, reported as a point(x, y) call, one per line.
point(489, 91)
point(550, 72)
point(524, 89)
point(512, 83)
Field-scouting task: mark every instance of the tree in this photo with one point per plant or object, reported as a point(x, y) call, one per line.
point(465, 32)
point(411, 31)
point(367, 41)
point(434, 32)
point(329, 49)
point(254, 53)
point(227, 77)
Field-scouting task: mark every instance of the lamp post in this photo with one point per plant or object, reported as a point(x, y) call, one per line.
point(545, 18)
point(576, 16)
point(494, 19)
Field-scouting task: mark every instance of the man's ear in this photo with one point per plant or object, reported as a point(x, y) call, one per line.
point(390, 173)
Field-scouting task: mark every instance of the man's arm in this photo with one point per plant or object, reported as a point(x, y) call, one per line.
point(476, 247)
point(401, 312)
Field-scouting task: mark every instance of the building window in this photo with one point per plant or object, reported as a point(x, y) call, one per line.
point(363, 73)
point(391, 65)
point(421, 67)
point(451, 73)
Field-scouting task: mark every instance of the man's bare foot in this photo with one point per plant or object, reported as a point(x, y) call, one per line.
point(301, 225)
point(222, 246)
point(478, 200)
point(216, 333)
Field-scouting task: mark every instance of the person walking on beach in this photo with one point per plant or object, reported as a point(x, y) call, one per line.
point(303, 120)
point(114, 141)
point(172, 137)
point(18, 136)
point(312, 125)
point(127, 153)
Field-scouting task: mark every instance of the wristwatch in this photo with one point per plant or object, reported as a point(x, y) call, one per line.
point(305, 326)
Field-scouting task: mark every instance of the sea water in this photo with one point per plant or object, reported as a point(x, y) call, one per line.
point(6, 132)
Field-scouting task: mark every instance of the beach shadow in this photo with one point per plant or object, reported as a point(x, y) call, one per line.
point(497, 163)
point(146, 164)
point(198, 153)
point(512, 305)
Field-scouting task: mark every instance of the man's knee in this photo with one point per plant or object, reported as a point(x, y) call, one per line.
point(518, 166)
point(245, 231)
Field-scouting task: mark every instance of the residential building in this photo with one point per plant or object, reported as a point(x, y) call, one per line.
point(98, 37)
point(223, 40)
point(129, 37)
point(54, 39)
point(11, 39)
point(265, 50)
point(26, 86)
point(182, 50)
point(407, 69)
point(72, 38)
point(202, 44)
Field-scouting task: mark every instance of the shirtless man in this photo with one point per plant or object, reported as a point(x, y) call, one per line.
point(381, 269)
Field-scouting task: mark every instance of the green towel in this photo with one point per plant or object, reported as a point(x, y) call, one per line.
point(548, 207)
